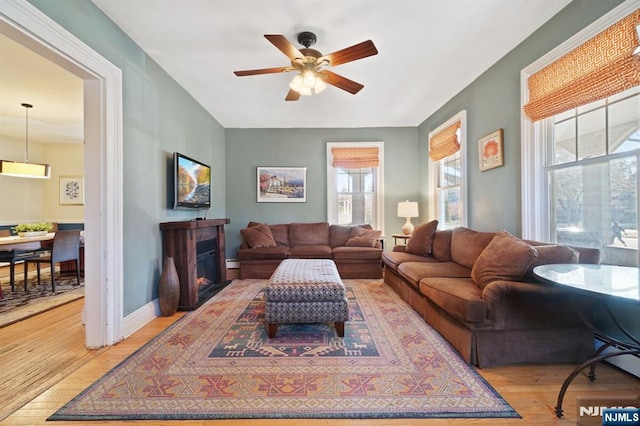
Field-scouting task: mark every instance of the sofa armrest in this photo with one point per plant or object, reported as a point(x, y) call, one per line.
point(400, 248)
point(513, 305)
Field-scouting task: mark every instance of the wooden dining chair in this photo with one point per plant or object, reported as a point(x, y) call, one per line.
point(14, 256)
point(66, 246)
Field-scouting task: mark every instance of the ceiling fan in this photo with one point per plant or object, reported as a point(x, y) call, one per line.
point(311, 65)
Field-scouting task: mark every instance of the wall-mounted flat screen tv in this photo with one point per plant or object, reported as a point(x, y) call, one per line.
point(192, 180)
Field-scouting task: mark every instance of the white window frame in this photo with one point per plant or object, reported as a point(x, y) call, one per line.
point(434, 169)
point(332, 195)
point(535, 135)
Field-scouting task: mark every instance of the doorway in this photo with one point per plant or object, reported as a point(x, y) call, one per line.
point(26, 25)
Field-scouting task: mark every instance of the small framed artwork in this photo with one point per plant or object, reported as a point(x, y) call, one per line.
point(490, 151)
point(282, 184)
point(72, 190)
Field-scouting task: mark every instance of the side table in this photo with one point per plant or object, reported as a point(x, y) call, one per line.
point(402, 237)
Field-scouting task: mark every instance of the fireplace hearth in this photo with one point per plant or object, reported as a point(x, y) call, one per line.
point(208, 280)
point(198, 251)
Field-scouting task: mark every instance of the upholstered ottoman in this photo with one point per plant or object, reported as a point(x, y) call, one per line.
point(305, 291)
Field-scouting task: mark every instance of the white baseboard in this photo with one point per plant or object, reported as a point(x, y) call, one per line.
point(139, 318)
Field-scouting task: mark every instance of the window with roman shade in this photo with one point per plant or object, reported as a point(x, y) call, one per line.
point(581, 160)
point(601, 67)
point(355, 183)
point(447, 179)
point(445, 142)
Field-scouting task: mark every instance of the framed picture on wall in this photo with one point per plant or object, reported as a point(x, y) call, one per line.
point(282, 184)
point(490, 151)
point(72, 190)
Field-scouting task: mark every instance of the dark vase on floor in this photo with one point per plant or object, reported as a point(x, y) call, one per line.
point(168, 288)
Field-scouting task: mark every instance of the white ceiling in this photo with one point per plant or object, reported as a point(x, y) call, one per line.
point(428, 51)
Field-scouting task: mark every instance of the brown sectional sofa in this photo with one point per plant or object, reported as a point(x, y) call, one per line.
point(356, 250)
point(477, 290)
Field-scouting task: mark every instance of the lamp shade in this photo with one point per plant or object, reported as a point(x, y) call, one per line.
point(25, 170)
point(408, 209)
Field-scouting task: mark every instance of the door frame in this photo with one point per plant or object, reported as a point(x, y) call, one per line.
point(103, 211)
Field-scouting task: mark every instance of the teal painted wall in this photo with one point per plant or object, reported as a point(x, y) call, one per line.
point(249, 148)
point(492, 101)
point(160, 117)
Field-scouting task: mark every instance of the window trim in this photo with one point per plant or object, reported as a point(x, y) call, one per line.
point(433, 169)
point(332, 212)
point(535, 135)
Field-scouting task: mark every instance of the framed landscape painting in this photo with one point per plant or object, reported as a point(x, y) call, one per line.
point(490, 151)
point(282, 184)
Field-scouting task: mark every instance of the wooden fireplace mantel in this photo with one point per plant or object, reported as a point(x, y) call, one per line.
point(179, 241)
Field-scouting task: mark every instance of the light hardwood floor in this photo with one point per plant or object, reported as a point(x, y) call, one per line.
point(44, 360)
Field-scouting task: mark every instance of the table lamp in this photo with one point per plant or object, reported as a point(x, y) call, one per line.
point(407, 209)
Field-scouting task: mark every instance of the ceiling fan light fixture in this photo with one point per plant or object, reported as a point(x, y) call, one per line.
point(308, 83)
point(309, 79)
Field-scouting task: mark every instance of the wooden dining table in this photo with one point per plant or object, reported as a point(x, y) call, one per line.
point(16, 242)
point(15, 246)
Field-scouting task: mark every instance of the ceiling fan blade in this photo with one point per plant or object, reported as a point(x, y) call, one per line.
point(284, 45)
point(263, 71)
point(342, 82)
point(292, 95)
point(355, 52)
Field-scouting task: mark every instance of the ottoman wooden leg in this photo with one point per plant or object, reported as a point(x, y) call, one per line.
point(340, 328)
point(272, 329)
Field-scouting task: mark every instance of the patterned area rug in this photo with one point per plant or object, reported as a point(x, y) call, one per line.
point(218, 363)
point(18, 305)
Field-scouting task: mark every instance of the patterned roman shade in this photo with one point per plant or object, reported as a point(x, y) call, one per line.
point(601, 67)
point(444, 143)
point(355, 158)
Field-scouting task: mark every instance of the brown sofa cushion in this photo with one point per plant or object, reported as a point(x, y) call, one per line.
point(467, 244)
point(459, 297)
point(263, 253)
point(361, 237)
point(339, 234)
point(258, 235)
point(441, 247)
point(308, 234)
point(505, 258)
point(280, 232)
point(310, 251)
point(356, 253)
point(422, 238)
point(415, 271)
point(392, 259)
point(551, 254)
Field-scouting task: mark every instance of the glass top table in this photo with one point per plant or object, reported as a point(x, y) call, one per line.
point(606, 282)
point(603, 280)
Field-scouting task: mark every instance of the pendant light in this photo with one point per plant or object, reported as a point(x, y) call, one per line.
point(26, 169)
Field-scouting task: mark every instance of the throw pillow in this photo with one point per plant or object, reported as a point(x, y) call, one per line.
point(422, 238)
point(361, 237)
point(551, 254)
point(505, 258)
point(258, 236)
